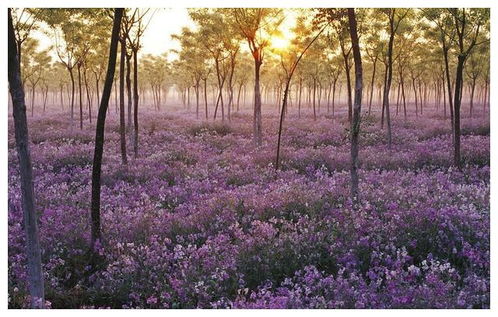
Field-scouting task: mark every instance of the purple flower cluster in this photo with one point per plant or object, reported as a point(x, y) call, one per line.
point(201, 219)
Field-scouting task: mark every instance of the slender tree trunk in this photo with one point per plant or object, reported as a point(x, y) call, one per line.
point(33, 254)
point(333, 98)
point(88, 98)
point(448, 83)
point(415, 92)
point(355, 126)
point(135, 102)
point(387, 87)
point(99, 133)
point(403, 95)
point(205, 97)
point(115, 98)
point(348, 81)
point(457, 103)
point(473, 87)
point(62, 96)
point(383, 97)
point(128, 90)
point(300, 95)
point(372, 83)
point(314, 99)
point(197, 88)
point(238, 97)
point(122, 130)
point(257, 126)
point(33, 95)
point(80, 96)
point(72, 95)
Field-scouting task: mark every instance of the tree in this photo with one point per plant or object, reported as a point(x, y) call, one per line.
point(358, 89)
point(35, 274)
point(373, 49)
point(256, 25)
point(445, 34)
point(71, 29)
point(35, 65)
point(122, 40)
point(289, 64)
point(24, 21)
point(468, 24)
point(154, 70)
point(134, 44)
point(475, 68)
point(99, 133)
point(395, 18)
point(192, 60)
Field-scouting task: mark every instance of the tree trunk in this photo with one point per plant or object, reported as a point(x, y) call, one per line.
point(72, 95)
point(348, 81)
point(197, 88)
point(387, 86)
point(122, 129)
point(135, 102)
point(372, 83)
point(33, 256)
point(457, 103)
point(473, 87)
point(300, 95)
point(355, 127)
point(257, 126)
point(128, 91)
point(99, 133)
point(88, 98)
point(205, 97)
point(33, 95)
point(448, 84)
point(45, 99)
point(80, 96)
point(314, 99)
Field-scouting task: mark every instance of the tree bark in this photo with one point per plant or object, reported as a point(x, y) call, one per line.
point(387, 86)
point(33, 254)
point(122, 128)
point(457, 103)
point(99, 133)
point(355, 127)
point(135, 102)
point(257, 126)
point(72, 95)
point(128, 90)
point(80, 96)
point(372, 83)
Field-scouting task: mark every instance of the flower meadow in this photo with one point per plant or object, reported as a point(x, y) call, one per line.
point(200, 219)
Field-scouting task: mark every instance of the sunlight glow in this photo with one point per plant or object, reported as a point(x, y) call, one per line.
point(279, 42)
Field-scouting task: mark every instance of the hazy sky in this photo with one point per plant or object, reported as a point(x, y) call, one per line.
point(157, 37)
point(165, 22)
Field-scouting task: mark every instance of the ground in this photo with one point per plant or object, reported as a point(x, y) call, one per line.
point(201, 219)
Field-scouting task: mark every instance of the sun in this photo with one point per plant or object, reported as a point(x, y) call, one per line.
point(280, 42)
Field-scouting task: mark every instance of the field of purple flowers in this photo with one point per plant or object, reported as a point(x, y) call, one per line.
point(201, 219)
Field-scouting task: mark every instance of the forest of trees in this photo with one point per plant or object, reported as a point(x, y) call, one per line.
point(408, 66)
point(375, 64)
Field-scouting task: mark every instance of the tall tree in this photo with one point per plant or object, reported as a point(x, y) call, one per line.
point(468, 24)
point(289, 63)
point(122, 124)
point(135, 45)
point(24, 21)
point(394, 18)
point(256, 25)
point(35, 274)
point(99, 133)
point(358, 90)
